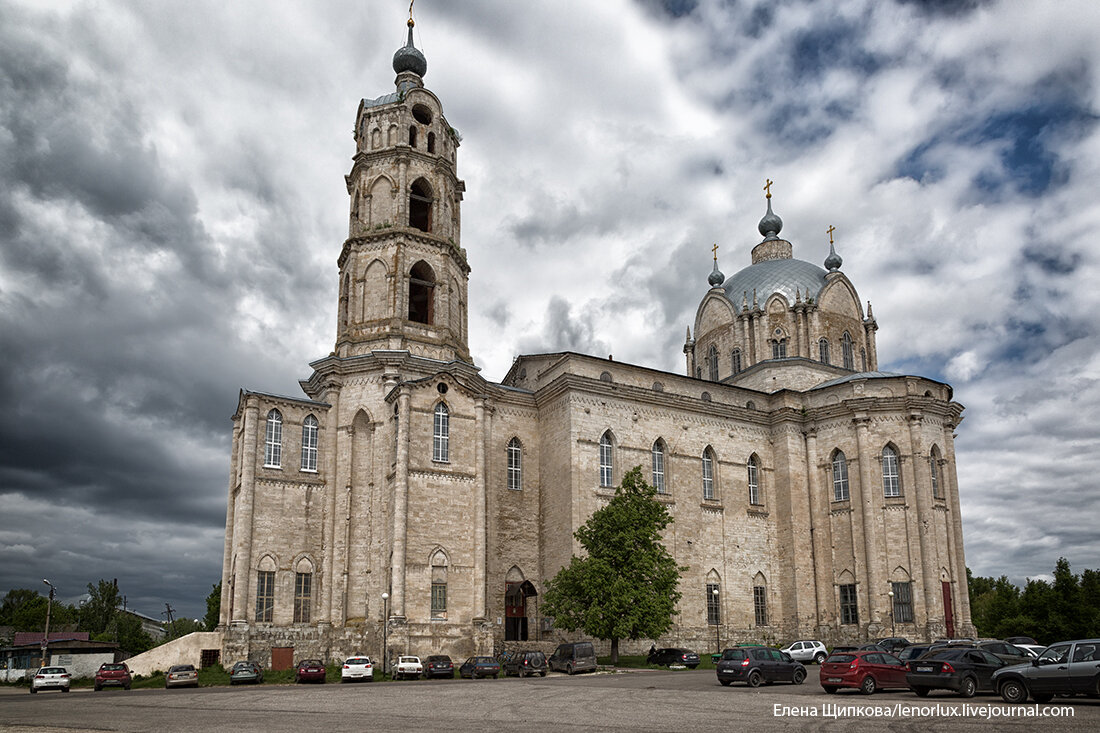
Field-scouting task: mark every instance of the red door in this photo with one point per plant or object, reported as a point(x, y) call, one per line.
point(948, 610)
point(282, 657)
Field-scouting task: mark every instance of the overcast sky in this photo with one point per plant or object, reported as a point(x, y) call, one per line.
point(172, 205)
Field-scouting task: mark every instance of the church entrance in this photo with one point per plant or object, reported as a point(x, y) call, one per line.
point(948, 611)
point(515, 609)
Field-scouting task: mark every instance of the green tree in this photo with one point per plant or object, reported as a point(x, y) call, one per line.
point(98, 615)
point(132, 637)
point(213, 607)
point(626, 586)
point(184, 626)
point(25, 610)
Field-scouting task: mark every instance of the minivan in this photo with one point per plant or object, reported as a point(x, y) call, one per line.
point(577, 656)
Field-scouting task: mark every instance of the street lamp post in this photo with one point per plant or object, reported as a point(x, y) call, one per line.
point(893, 632)
point(717, 622)
point(385, 632)
point(46, 636)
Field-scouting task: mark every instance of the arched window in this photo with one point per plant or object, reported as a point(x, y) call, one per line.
point(712, 362)
point(303, 591)
point(846, 348)
point(708, 473)
point(273, 440)
point(779, 349)
point(515, 465)
point(441, 434)
point(823, 351)
point(714, 598)
point(309, 443)
point(840, 477)
point(439, 584)
point(659, 466)
point(606, 460)
point(863, 358)
point(754, 480)
point(934, 472)
point(760, 599)
point(421, 293)
point(412, 136)
point(265, 590)
point(420, 205)
point(891, 484)
point(735, 361)
point(431, 142)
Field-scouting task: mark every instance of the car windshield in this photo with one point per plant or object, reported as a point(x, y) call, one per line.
point(358, 660)
point(310, 663)
point(242, 666)
point(840, 658)
point(733, 654)
point(182, 668)
point(53, 670)
point(484, 660)
point(113, 667)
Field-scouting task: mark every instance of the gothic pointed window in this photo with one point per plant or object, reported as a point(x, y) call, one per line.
point(265, 595)
point(708, 473)
point(273, 440)
point(309, 443)
point(412, 136)
point(606, 460)
point(712, 363)
point(779, 349)
point(863, 358)
point(420, 205)
point(515, 465)
point(431, 142)
point(439, 585)
point(934, 472)
point(760, 600)
point(823, 351)
point(754, 481)
point(441, 434)
point(421, 293)
point(735, 361)
point(303, 591)
point(658, 454)
point(891, 483)
point(840, 477)
point(714, 599)
point(846, 350)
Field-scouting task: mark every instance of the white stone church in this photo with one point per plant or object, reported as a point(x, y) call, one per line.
point(813, 495)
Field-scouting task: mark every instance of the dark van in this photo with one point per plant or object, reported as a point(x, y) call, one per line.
point(577, 656)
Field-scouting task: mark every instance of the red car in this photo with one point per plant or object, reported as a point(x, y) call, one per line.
point(865, 671)
point(112, 674)
point(310, 670)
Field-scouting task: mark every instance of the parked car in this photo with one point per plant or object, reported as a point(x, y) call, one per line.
point(963, 669)
point(246, 673)
point(573, 657)
point(112, 675)
point(406, 667)
point(756, 665)
point(525, 663)
point(475, 667)
point(872, 647)
point(181, 675)
point(913, 651)
point(1007, 653)
point(1033, 649)
point(310, 670)
point(864, 671)
point(671, 657)
point(357, 668)
point(894, 644)
point(1022, 640)
point(807, 651)
point(844, 648)
point(50, 678)
point(439, 665)
point(1065, 668)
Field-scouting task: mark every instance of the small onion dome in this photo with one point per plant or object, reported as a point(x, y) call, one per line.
point(716, 277)
point(771, 224)
point(833, 261)
point(409, 58)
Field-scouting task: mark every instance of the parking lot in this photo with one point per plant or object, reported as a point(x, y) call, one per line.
point(640, 700)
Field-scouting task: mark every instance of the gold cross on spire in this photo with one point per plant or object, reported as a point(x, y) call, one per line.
point(768, 187)
point(411, 21)
point(714, 249)
point(830, 231)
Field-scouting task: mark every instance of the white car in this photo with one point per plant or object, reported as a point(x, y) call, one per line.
point(1033, 649)
point(406, 667)
point(50, 678)
point(807, 651)
point(357, 668)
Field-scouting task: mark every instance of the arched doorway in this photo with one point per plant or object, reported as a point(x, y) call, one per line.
point(516, 592)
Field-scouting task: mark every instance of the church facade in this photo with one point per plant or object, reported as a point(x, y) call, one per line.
point(405, 497)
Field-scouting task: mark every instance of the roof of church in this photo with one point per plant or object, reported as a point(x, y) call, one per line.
point(384, 99)
point(860, 375)
point(784, 276)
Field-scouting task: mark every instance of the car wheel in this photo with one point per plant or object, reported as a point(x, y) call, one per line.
point(819, 658)
point(569, 668)
point(829, 690)
point(921, 691)
point(97, 688)
point(127, 687)
point(64, 689)
point(755, 679)
point(1013, 691)
point(867, 687)
point(725, 683)
point(968, 687)
point(1042, 698)
point(799, 676)
point(543, 673)
point(33, 690)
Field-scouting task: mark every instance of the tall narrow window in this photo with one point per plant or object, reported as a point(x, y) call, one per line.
point(606, 464)
point(420, 206)
point(441, 434)
point(846, 350)
point(903, 602)
point(849, 607)
point(421, 292)
point(760, 604)
point(309, 443)
point(708, 474)
point(439, 585)
point(265, 595)
point(863, 358)
point(659, 466)
point(779, 349)
point(273, 440)
point(754, 481)
point(412, 136)
point(934, 472)
point(891, 485)
point(714, 604)
point(823, 351)
point(431, 142)
point(840, 477)
point(712, 362)
point(735, 361)
point(303, 583)
point(515, 465)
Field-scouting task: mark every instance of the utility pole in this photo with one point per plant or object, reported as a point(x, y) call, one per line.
point(168, 610)
point(46, 636)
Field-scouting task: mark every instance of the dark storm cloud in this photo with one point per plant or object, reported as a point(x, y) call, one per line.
point(564, 331)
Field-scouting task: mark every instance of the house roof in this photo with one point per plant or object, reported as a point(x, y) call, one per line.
point(22, 638)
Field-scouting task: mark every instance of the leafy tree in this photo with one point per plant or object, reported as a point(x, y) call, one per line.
point(25, 610)
point(184, 626)
point(213, 607)
point(131, 636)
point(99, 612)
point(626, 586)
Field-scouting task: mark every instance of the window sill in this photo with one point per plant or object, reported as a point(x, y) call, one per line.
point(445, 462)
point(273, 468)
point(757, 512)
point(308, 470)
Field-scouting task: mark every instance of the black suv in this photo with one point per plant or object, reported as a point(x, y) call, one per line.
point(757, 664)
point(1065, 668)
point(439, 665)
point(964, 669)
point(670, 657)
point(525, 663)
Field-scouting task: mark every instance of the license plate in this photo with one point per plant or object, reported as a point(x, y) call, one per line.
point(922, 669)
point(834, 679)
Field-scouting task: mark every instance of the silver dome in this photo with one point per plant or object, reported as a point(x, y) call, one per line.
point(775, 276)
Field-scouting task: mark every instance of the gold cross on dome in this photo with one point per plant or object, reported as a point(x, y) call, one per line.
point(714, 249)
point(768, 187)
point(830, 231)
point(411, 11)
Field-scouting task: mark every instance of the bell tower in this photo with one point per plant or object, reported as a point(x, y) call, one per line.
point(403, 272)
